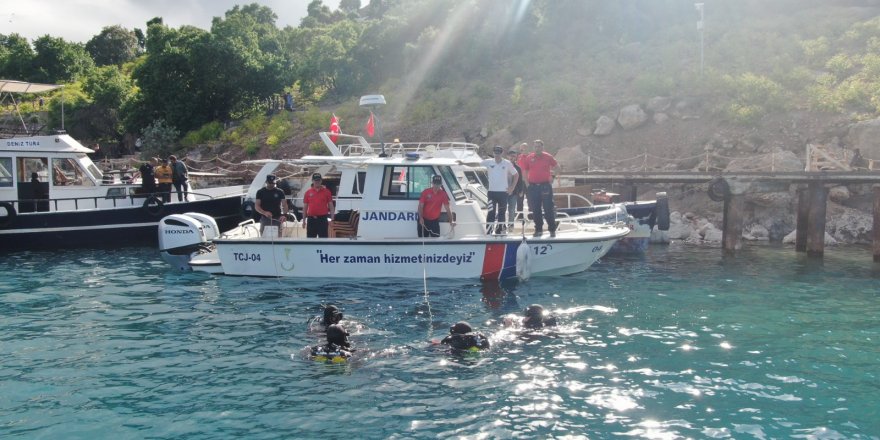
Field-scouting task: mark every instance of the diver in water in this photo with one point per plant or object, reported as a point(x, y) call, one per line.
point(337, 349)
point(462, 337)
point(533, 318)
point(332, 315)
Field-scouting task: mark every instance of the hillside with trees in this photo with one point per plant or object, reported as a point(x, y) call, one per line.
point(775, 75)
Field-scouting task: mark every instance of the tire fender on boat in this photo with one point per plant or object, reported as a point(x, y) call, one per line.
point(662, 211)
point(248, 209)
point(7, 219)
point(719, 189)
point(524, 261)
point(154, 206)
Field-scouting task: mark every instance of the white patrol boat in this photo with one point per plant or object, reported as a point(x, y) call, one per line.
point(53, 196)
point(376, 235)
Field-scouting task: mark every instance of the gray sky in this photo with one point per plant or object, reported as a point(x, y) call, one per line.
point(80, 20)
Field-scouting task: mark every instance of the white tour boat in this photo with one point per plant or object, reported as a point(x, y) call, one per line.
point(378, 236)
point(53, 196)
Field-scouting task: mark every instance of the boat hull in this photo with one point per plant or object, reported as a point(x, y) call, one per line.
point(123, 226)
point(479, 258)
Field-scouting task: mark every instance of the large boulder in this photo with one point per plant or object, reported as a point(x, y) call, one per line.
point(838, 194)
point(572, 159)
point(863, 135)
point(658, 104)
point(849, 225)
point(631, 116)
point(604, 126)
point(791, 237)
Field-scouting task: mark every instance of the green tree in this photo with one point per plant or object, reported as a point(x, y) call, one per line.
point(56, 60)
point(114, 45)
point(159, 139)
point(16, 57)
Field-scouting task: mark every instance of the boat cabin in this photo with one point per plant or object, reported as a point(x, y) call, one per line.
point(381, 192)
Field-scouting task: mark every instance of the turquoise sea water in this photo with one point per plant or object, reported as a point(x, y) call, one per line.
point(679, 343)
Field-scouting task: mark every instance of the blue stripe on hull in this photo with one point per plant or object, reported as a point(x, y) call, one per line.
point(509, 269)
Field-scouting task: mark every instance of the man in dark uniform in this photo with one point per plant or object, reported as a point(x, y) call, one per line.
point(148, 178)
point(269, 205)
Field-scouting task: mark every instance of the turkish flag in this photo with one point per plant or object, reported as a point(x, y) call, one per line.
point(334, 128)
point(371, 126)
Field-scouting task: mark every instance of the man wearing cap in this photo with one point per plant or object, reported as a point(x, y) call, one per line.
point(270, 205)
point(163, 175)
point(538, 168)
point(430, 203)
point(502, 182)
point(317, 207)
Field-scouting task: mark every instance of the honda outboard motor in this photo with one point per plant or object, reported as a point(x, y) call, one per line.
point(212, 231)
point(181, 236)
point(662, 211)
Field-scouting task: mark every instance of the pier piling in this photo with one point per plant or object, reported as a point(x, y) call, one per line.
point(876, 231)
point(803, 215)
point(816, 222)
point(731, 234)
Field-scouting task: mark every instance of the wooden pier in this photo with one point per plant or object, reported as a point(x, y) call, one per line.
point(812, 188)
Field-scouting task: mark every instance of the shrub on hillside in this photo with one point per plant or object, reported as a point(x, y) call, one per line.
point(315, 120)
point(208, 132)
point(839, 65)
point(816, 51)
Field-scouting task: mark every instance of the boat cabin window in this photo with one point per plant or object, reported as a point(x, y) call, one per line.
point(67, 172)
point(5, 171)
point(29, 165)
point(406, 182)
point(358, 186)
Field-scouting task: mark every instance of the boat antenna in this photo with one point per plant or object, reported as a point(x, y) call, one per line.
point(373, 102)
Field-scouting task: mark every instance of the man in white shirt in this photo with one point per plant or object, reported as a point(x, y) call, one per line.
point(502, 181)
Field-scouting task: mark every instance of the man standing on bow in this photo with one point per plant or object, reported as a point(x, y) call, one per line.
point(538, 168)
point(317, 207)
point(271, 206)
point(502, 182)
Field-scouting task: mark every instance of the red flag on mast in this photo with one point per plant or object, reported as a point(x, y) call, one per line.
point(371, 126)
point(334, 128)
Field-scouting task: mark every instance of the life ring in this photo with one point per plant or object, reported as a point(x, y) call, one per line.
point(10, 214)
point(719, 189)
point(154, 206)
point(248, 209)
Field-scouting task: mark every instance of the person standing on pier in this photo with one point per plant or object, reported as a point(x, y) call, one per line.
point(538, 168)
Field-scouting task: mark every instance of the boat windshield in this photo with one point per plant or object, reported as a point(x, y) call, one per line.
point(67, 172)
point(449, 177)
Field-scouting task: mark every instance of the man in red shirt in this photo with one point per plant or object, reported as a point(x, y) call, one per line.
point(430, 202)
point(538, 168)
point(317, 207)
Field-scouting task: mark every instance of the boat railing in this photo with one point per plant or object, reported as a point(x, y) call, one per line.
point(400, 149)
point(92, 202)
